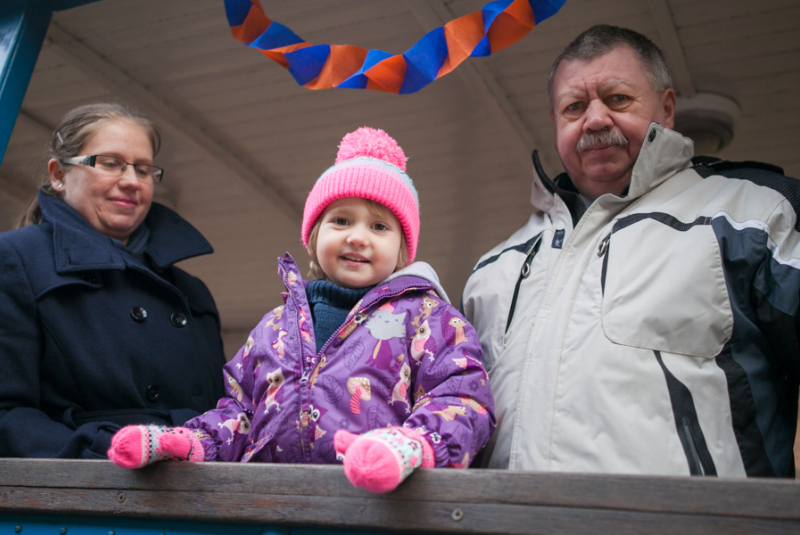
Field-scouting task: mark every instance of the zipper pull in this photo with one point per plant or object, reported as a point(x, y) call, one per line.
point(601, 250)
point(526, 266)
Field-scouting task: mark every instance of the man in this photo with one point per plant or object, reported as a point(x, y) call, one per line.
point(644, 319)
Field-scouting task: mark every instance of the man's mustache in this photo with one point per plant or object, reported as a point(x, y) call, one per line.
point(604, 138)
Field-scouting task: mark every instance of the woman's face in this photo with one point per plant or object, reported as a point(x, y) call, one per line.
point(114, 205)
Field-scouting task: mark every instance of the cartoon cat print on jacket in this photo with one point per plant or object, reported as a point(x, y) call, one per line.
point(404, 356)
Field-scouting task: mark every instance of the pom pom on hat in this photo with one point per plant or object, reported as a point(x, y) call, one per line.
point(369, 165)
point(371, 143)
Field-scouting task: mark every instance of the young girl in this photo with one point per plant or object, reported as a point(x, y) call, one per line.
point(368, 364)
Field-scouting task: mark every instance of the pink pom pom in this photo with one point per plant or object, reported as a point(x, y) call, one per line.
point(371, 143)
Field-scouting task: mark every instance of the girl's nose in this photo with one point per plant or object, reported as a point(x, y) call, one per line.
point(357, 237)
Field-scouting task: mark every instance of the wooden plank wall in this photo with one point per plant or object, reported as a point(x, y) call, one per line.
point(448, 501)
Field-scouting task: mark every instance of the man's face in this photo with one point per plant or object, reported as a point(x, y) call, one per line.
point(601, 110)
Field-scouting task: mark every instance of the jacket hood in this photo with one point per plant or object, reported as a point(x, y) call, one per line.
point(79, 246)
point(424, 271)
point(663, 153)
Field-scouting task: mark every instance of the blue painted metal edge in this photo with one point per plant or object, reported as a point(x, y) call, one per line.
point(61, 525)
point(23, 24)
point(26, 524)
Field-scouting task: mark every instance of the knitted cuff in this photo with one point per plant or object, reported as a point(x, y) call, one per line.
point(428, 457)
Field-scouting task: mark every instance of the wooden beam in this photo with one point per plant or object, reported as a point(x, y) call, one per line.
point(170, 115)
point(61, 5)
point(434, 13)
point(672, 48)
point(37, 122)
point(438, 500)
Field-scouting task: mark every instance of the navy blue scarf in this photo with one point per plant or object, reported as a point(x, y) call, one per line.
point(330, 305)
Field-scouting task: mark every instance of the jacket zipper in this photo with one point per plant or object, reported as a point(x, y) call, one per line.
point(697, 469)
point(305, 441)
point(524, 272)
point(304, 377)
point(602, 251)
point(365, 306)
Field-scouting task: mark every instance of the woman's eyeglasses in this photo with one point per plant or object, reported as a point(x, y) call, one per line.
point(115, 166)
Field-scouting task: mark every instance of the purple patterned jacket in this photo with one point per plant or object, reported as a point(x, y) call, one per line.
point(404, 356)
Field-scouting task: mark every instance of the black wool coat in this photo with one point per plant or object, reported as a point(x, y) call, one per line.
point(93, 337)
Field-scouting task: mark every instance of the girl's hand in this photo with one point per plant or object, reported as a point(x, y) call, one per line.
point(379, 460)
point(135, 446)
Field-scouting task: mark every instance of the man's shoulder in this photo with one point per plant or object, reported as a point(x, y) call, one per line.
point(708, 165)
point(751, 173)
point(758, 173)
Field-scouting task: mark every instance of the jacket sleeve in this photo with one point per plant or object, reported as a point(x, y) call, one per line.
point(453, 404)
point(25, 430)
point(225, 430)
point(777, 289)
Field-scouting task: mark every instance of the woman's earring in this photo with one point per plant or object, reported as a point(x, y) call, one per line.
point(60, 186)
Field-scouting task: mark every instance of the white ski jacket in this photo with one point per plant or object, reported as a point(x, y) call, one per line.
point(655, 335)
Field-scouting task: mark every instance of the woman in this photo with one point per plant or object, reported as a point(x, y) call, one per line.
point(98, 329)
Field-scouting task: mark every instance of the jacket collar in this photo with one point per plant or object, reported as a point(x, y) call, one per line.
point(418, 274)
point(663, 153)
point(79, 246)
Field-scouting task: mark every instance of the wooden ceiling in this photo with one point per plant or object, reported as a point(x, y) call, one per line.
point(243, 144)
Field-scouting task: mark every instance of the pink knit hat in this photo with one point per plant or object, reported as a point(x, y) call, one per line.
point(370, 165)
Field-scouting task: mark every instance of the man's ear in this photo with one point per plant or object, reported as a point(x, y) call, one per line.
point(668, 108)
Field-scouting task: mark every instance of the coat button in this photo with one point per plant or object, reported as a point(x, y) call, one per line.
point(652, 135)
point(139, 314)
point(152, 393)
point(178, 319)
point(91, 278)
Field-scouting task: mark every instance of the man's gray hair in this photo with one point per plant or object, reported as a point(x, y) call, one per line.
point(601, 39)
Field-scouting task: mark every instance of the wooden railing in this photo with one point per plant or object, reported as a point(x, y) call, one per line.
point(450, 501)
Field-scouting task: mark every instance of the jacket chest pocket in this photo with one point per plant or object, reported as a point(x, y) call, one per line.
point(664, 287)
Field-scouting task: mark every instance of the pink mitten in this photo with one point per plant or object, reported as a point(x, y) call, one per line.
point(135, 446)
point(381, 459)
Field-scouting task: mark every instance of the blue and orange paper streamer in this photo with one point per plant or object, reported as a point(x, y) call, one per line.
point(496, 26)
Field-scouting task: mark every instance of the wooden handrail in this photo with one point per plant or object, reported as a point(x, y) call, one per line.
point(450, 501)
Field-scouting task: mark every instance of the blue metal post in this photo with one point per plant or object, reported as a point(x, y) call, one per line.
point(23, 24)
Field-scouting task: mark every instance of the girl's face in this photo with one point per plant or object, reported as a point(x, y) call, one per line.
point(356, 247)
